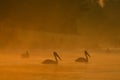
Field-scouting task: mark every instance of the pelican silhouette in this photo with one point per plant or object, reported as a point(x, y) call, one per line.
point(82, 59)
point(25, 55)
point(49, 61)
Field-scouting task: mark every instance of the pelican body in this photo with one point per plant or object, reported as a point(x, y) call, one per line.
point(82, 59)
point(49, 61)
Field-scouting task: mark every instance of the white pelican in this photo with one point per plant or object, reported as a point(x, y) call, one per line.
point(82, 59)
point(49, 61)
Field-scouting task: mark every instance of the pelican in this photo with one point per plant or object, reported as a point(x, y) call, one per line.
point(82, 59)
point(49, 61)
point(25, 55)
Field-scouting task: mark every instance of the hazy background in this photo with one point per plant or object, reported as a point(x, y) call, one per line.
point(65, 26)
point(59, 24)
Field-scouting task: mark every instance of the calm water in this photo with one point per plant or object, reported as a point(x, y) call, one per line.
point(100, 67)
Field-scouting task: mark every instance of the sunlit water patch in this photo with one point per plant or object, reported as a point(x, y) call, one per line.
point(99, 67)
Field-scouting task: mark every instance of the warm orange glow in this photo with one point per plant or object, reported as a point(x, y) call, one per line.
point(100, 66)
point(101, 2)
point(84, 33)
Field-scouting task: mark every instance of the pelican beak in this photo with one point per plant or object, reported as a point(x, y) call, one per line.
point(58, 57)
point(88, 55)
point(55, 54)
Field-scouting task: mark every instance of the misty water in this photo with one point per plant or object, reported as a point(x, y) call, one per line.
point(101, 66)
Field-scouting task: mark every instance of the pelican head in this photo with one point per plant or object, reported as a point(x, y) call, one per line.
point(56, 55)
point(87, 54)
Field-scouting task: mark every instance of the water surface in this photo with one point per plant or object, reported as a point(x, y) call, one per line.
point(100, 67)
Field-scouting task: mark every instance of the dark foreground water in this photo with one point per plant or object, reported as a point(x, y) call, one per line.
point(100, 67)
